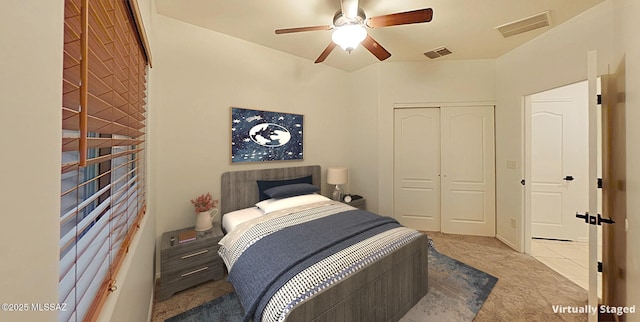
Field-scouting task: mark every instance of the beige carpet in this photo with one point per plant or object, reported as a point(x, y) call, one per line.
point(526, 289)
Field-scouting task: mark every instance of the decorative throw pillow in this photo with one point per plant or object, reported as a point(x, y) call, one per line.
point(266, 184)
point(291, 190)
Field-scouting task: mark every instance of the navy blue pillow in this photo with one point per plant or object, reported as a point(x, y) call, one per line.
point(266, 184)
point(291, 190)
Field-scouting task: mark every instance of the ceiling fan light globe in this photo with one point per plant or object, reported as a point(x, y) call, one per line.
point(348, 37)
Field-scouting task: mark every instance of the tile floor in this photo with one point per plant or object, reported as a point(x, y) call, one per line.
point(570, 259)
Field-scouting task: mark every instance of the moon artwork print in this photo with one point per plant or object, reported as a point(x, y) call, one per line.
point(258, 136)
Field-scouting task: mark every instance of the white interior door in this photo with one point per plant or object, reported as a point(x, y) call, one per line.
point(468, 170)
point(417, 168)
point(559, 162)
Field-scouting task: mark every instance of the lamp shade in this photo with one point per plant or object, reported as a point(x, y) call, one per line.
point(337, 175)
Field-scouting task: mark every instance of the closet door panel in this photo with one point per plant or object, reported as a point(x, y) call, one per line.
point(417, 168)
point(468, 170)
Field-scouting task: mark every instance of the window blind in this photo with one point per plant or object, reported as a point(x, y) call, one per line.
point(103, 126)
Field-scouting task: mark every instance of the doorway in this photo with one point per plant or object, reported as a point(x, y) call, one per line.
point(558, 178)
point(559, 162)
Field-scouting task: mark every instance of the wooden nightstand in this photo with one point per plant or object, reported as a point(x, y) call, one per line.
point(183, 265)
point(358, 203)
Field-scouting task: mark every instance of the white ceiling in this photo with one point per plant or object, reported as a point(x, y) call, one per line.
point(466, 27)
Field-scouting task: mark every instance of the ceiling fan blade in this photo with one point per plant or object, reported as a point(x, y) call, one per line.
point(402, 18)
point(349, 8)
point(375, 48)
point(300, 29)
point(325, 52)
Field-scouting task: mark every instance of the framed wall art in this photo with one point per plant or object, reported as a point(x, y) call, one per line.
point(259, 136)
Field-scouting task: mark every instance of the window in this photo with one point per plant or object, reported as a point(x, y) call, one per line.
point(103, 167)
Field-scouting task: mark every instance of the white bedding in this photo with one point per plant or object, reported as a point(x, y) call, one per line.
point(232, 219)
point(273, 205)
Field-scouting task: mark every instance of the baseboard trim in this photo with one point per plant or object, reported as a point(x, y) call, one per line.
point(508, 243)
point(153, 296)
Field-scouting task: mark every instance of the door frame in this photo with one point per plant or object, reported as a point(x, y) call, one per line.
point(593, 77)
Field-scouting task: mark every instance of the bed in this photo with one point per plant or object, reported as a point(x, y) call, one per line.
point(375, 288)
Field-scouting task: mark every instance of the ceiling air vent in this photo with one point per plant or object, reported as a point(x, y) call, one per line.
point(527, 24)
point(438, 52)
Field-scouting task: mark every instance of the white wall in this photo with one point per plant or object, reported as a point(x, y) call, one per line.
point(627, 49)
point(198, 75)
point(362, 133)
point(556, 58)
point(30, 98)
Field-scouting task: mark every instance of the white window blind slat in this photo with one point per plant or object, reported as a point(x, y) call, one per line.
point(70, 214)
point(92, 287)
point(90, 244)
point(67, 280)
point(85, 278)
point(120, 194)
point(82, 225)
point(71, 265)
point(70, 299)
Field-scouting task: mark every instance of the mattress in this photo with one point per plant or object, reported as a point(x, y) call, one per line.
point(283, 258)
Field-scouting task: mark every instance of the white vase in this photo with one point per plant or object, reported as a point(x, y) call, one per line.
point(205, 219)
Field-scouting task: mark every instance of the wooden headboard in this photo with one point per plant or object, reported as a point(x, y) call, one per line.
point(239, 188)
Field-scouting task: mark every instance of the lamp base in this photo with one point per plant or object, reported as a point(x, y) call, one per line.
point(337, 194)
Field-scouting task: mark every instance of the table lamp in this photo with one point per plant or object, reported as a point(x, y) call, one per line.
point(337, 176)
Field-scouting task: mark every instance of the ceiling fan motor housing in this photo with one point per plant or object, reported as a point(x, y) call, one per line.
point(340, 20)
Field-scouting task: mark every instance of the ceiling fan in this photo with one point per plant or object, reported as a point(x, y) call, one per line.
point(350, 23)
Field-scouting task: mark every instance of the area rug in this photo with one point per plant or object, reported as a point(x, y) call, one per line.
point(456, 293)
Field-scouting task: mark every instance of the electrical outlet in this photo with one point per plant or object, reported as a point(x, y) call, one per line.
point(511, 164)
point(513, 223)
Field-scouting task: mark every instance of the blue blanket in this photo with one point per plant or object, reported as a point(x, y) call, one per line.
point(269, 263)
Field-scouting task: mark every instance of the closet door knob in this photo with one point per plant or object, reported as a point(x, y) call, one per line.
point(568, 178)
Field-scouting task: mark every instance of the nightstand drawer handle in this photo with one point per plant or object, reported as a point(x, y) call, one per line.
point(195, 254)
point(196, 271)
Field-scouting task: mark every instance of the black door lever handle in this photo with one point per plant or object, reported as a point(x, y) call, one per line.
point(568, 178)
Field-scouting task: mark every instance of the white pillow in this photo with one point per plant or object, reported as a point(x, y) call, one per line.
point(271, 205)
point(265, 203)
point(232, 219)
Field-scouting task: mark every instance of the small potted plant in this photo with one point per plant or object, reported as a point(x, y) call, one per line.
point(205, 207)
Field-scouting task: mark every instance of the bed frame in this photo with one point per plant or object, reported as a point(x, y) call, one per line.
point(383, 291)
